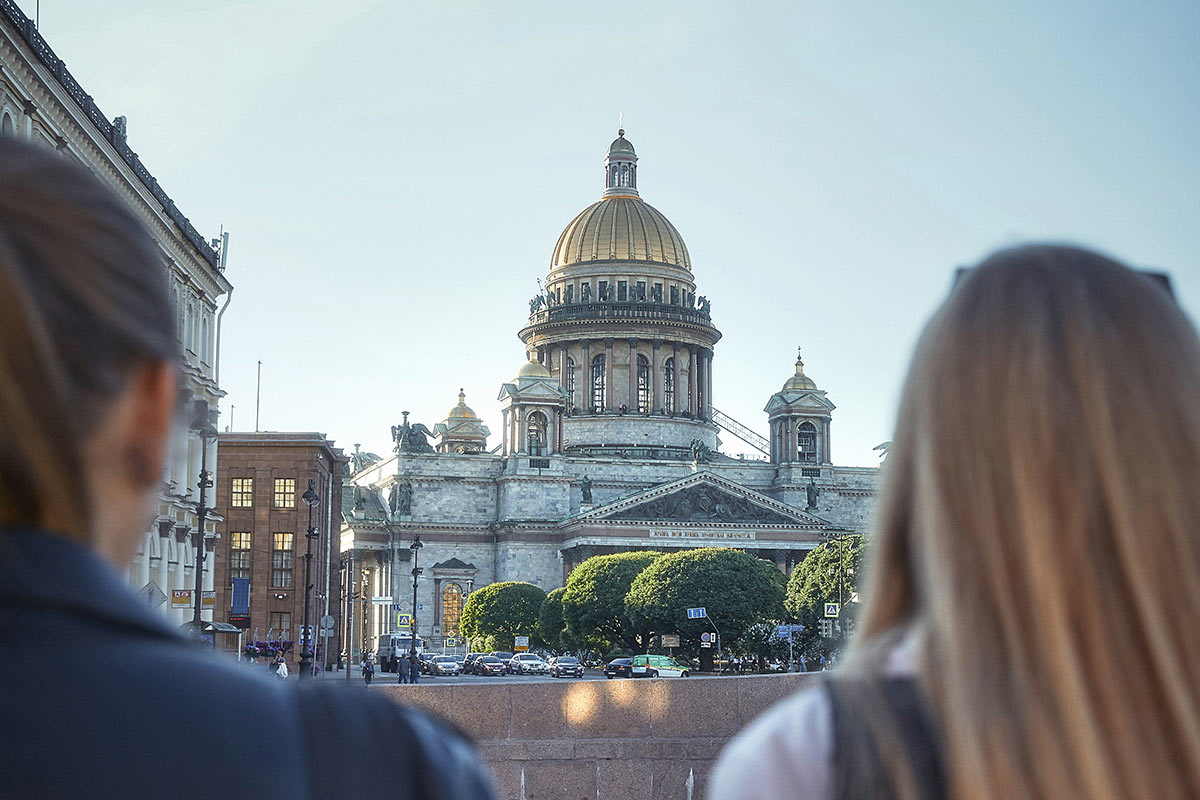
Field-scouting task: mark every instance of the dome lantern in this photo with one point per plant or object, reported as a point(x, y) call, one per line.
point(620, 167)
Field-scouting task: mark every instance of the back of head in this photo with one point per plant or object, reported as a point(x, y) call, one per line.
point(83, 297)
point(1040, 526)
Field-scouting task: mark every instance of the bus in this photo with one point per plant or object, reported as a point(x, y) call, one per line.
point(393, 646)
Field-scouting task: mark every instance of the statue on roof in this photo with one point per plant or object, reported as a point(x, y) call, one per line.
point(585, 486)
point(700, 451)
point(361, 459)
point(812, 493)
point(703, 304)
point(411, 438)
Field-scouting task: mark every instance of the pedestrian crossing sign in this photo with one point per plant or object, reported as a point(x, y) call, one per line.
point(404, 620)
point(831, 609)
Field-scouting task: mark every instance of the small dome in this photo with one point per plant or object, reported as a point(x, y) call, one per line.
point(533, 369)
point(799, 381)
point(462, 410)
point(620, 145)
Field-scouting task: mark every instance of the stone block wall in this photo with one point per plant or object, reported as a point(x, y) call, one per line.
point(579, 740)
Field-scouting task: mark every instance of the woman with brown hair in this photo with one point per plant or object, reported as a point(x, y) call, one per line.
point(1032, 618)
point(97, 695)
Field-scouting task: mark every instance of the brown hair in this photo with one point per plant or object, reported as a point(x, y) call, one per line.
point(83, 297)
point(1040, 529)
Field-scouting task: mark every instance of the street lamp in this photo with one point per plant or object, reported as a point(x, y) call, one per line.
point(416, 571)
point(203, 419)
point(470, 584)
point(309, 497)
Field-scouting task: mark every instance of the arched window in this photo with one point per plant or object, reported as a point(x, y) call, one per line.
point(452, 605)
point(569, 381)
point(643, 384)
point(669, 383)
point(537, 433)
point(6, 126)
point(806, 442)
point(598, 378)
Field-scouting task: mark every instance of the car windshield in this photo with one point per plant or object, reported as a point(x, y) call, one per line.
point(490, 660)
point(620, 661)
point(446, 658)
point(568, 660)
point(527, 657)
point(505, 656)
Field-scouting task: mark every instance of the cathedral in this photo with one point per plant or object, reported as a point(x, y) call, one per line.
point(609, 442)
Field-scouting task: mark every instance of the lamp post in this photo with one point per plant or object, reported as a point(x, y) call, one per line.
point(310, 497)
point(470, 584)
point(203, 421)
point(416, 571)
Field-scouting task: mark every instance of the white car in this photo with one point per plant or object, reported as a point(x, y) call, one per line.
point(527, 664)
point(658, 667)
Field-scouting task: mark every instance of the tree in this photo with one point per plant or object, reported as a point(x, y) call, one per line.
point(593, 603)
point(815, 581)
point(551, 624)
point(737, 589)
point(503, 611)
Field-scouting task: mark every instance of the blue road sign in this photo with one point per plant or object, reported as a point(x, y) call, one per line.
point(697, 613)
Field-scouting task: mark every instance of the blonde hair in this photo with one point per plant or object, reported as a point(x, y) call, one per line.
point(1040, 528)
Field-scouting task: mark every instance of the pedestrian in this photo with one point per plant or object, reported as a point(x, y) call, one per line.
point(281, 668)
point(1031, 624)
point(368, 670)
point(803, 663)
point(89, 395)
point(401, 663)
point(414, 668)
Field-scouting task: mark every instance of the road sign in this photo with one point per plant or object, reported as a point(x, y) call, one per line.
point(327, 621)
point(670, 640)
point(451, 641)
point(783, 631)
point(306, 633)
point(831, 609)
point(153, 595)
point(520, 643)
point(382, 600)
point(697, 613)
point(706, 637)
point(404, 620)
point(208, 599)
point(706, 644)
point(181, 598)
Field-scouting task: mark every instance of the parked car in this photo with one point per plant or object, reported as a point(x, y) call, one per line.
point(489, 665)
point(566, 666)
point(658, 667)
point(528, 664)
point(427, 662)
point(444, 665)
point(619, 668)
point(504, 656)
point(469, 662)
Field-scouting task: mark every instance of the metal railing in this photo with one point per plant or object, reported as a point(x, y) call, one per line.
point(58, 69)
point(739, 430)
point(613, 310)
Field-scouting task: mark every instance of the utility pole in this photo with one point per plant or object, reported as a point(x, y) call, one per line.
point(416, 572)
point(310, 497)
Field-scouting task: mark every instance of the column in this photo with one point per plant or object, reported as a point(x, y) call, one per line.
point(656, 399)
point(504, 431)
point(826, 449)
point(608, 373)
point(708, 384)
point(562, 365)
point(692, 378)
point(633, 402)
point(675, 378)
point(585, 374)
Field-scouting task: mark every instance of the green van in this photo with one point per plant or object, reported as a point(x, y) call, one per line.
point(658, 667)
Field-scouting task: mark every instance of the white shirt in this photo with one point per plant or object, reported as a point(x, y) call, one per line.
point(788, 751)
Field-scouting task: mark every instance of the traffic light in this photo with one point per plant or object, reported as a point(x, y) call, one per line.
point(825, 628)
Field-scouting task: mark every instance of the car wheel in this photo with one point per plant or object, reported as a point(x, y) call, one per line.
point(683, 674)
point(610, 677)
point(651, 674)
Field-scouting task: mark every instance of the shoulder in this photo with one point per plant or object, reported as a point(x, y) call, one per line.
point(787, 752)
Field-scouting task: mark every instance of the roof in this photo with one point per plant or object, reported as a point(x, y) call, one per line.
point(620, 228)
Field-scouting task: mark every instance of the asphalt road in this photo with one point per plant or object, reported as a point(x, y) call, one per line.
point(588, 675)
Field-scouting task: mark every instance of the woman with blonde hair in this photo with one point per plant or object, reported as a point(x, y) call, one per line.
point(1032, 617)
point(98, 696)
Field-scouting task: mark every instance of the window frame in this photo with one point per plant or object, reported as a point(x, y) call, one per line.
point(243, 496)
point(288, 491)
point(283, 560)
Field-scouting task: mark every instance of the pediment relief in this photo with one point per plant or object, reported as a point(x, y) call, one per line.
point(702, 503)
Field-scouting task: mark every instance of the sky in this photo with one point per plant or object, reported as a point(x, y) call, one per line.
point(394, 175)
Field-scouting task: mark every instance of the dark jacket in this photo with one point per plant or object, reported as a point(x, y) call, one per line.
point(100, 698)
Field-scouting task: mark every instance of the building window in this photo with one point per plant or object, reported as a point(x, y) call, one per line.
point(537, 433)
point(643, 384)
point(6, 126)
point(598, 383)
point(656, 293)
point(622, 291)
point(806, 442)
point(602, 292)
point(569, 381)
point(641, 290)
point(281, 560)
point(285, 492)
point(674, 295)
point(281, 625)
point(669, 383)
point(241, 493)
point(452, 604)
point(239, 554)
point(568, 294)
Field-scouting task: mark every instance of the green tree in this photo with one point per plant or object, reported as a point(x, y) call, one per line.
point(737, 589)
point(814, 582)
point(593, 602)
point(551, 624)
point(502, 611)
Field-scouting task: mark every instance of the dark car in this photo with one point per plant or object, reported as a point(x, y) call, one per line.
point(468, 666)
point(504, 656)
point(566, 666)
point(489, 665)
point(619, 668)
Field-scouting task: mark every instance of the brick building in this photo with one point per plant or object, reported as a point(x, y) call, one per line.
point(260, 485)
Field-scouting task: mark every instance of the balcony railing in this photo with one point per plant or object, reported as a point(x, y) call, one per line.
point(637, 311)
point(58, 69)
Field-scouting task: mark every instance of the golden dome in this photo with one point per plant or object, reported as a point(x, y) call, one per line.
point(462, 410)
point(533, 369)
point(620, 228)
point(799, 381)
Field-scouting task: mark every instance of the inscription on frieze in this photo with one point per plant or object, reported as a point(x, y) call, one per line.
point(741, 536)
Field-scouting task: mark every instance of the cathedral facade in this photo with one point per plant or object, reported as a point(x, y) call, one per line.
point(609, 442)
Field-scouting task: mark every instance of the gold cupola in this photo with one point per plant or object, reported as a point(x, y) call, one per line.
point(799, 381)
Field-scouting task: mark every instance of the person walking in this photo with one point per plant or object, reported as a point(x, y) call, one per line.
point(368, 670)
point(401, 663)
point(803, 663)
point(414, 668)
point(1031, 617)
point(281, 667)
point(89, 397)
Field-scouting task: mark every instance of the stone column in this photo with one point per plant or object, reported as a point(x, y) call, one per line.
point(708, 384)
point(692, 369)
point(827, 440)
point(585, 385)
point(656, 398)
point(675, 377)
point(562, 365)
point(633, 387)
point(608, 373)
point(504, 431)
